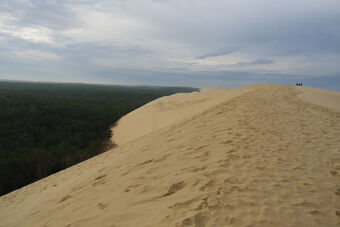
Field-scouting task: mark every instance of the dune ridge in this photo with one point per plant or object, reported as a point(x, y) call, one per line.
point(169, 110)
point(261, 157)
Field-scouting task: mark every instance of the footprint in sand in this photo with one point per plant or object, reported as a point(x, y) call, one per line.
point(102, 205)
point(174, 188)
point(65, 198)
point(99, 180)
point(199, 220)
point(337, 192)
point(146, 162)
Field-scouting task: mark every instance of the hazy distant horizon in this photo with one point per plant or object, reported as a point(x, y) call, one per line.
point(146, 85)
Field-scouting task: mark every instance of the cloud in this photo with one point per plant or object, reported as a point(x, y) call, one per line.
point(36, 55)
point(260, 61)
point(220, 52)
point(36, 35)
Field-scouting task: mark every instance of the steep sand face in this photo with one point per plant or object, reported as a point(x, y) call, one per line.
point(168, 110)
point(262, 158)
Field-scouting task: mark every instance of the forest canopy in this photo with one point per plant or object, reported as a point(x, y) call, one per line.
point(47, 127)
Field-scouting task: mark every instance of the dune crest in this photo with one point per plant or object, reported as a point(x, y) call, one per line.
point(170, 109)
point(253, 156)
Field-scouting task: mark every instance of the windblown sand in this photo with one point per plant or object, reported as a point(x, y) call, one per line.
point(264, 155)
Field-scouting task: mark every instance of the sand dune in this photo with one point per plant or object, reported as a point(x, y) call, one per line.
point(262, 155)
point(168, 110)
point(329, 99)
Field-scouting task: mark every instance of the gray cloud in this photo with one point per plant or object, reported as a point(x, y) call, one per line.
point(50, 14)
point(220, 52)
point(261, 61)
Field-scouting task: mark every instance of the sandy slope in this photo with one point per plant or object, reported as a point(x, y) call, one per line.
point(263, 157)
point(329, 99)
point(168, 110)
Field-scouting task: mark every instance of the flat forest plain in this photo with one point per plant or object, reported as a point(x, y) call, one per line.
point(47, 127)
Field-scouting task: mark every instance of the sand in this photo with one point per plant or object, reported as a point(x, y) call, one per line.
point(325, 98)
point(262, 155)
point(168, 110)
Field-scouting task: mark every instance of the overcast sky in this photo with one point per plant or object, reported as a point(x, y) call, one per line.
point(180, 42)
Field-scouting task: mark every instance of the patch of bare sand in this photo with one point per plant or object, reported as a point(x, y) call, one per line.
point(325, 98)
point(263, 158)
point(168, 110)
